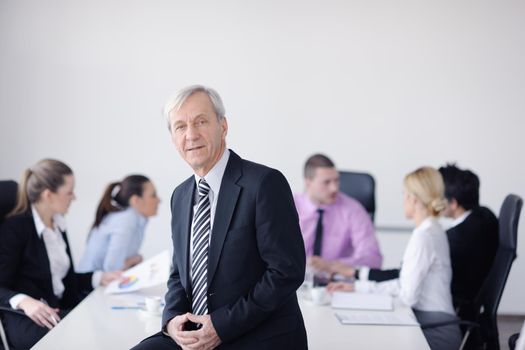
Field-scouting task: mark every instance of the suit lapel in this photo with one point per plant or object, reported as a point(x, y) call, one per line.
point(183, 229)
point(41, 253)
point(228, 195)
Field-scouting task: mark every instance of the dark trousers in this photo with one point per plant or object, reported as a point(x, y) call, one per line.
point(158, 341)
point(442, 337)
point(21, 331)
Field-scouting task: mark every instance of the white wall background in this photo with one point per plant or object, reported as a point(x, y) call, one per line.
point(382, 86)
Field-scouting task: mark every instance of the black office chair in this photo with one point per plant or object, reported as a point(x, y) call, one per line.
point(512, 341)
point(8, 189)
point(360, 186)
point(489, 296)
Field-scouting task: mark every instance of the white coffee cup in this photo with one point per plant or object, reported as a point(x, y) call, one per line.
point(152, 304)
point(319, 295)
point(308, 278)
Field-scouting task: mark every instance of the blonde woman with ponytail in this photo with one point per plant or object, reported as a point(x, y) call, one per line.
point(37, 275)
point(120, 222)
point(425, 275)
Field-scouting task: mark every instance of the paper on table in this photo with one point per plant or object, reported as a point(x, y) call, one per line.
point(149, 273)
point(377, 318)
point(362, 301)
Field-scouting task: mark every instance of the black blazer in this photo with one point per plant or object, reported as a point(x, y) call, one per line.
point(256, 259)
point(24, 266)
point(473, 244)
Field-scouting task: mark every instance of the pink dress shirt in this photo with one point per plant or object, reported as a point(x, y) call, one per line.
point(348, 232)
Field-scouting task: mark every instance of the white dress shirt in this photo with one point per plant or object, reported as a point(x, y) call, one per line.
point(214, 180)
point(56, 251)
point(461, 218)
point(426, 273)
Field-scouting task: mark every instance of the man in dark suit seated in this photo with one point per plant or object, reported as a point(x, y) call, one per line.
point(238, 253)
point(473, 239)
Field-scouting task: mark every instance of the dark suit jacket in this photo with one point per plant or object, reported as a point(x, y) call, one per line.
point(473, 244)
point(256, 259)
point(24, 266)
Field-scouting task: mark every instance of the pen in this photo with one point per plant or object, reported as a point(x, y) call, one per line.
point(144, 304)
point(126, 308)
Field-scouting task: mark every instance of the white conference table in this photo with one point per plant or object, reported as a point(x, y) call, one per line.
point(93, 324)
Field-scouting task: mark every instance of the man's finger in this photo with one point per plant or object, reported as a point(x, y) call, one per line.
point(196, 318)
point(190, 334)
point(185, 340)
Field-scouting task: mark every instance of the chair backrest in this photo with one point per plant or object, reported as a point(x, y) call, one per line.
point(360, 186)
point(8, 190)
point(490, 294)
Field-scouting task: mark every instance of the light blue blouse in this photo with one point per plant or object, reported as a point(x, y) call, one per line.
point(118, 237)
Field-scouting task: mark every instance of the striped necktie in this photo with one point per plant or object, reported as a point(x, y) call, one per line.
point(201, 238)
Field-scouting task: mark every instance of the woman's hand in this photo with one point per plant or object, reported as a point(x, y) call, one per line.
point(39, 312)
point(110, 276)
point(132, 261)
point(340, 287)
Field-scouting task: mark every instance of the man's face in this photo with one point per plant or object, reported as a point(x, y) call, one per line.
point(199, 137)
point(323, 187)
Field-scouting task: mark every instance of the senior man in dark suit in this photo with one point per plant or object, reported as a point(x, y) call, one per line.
point(238, 251)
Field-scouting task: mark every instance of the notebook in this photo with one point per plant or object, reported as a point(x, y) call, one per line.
point(378, 318)
point(362, 301)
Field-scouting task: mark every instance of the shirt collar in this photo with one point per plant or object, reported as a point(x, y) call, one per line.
point(58, 222)
point(461, 218)
point(429, 221)
point(312, 207)
point(214, 176)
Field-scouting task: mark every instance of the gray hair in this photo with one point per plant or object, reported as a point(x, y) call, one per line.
point(175, 102)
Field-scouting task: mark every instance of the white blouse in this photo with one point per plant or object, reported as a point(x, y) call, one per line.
point(426, 273)
point(56, 249)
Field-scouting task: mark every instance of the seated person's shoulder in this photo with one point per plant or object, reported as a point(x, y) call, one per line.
point(486, 214)
point(16, 225)
point(351, 204)
point(481, 218)
point(119, 220)
point(17, 220)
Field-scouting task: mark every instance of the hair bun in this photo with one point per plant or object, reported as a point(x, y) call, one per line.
point(438, 204)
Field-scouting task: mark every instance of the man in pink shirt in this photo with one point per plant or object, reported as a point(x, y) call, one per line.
point(337, 230)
